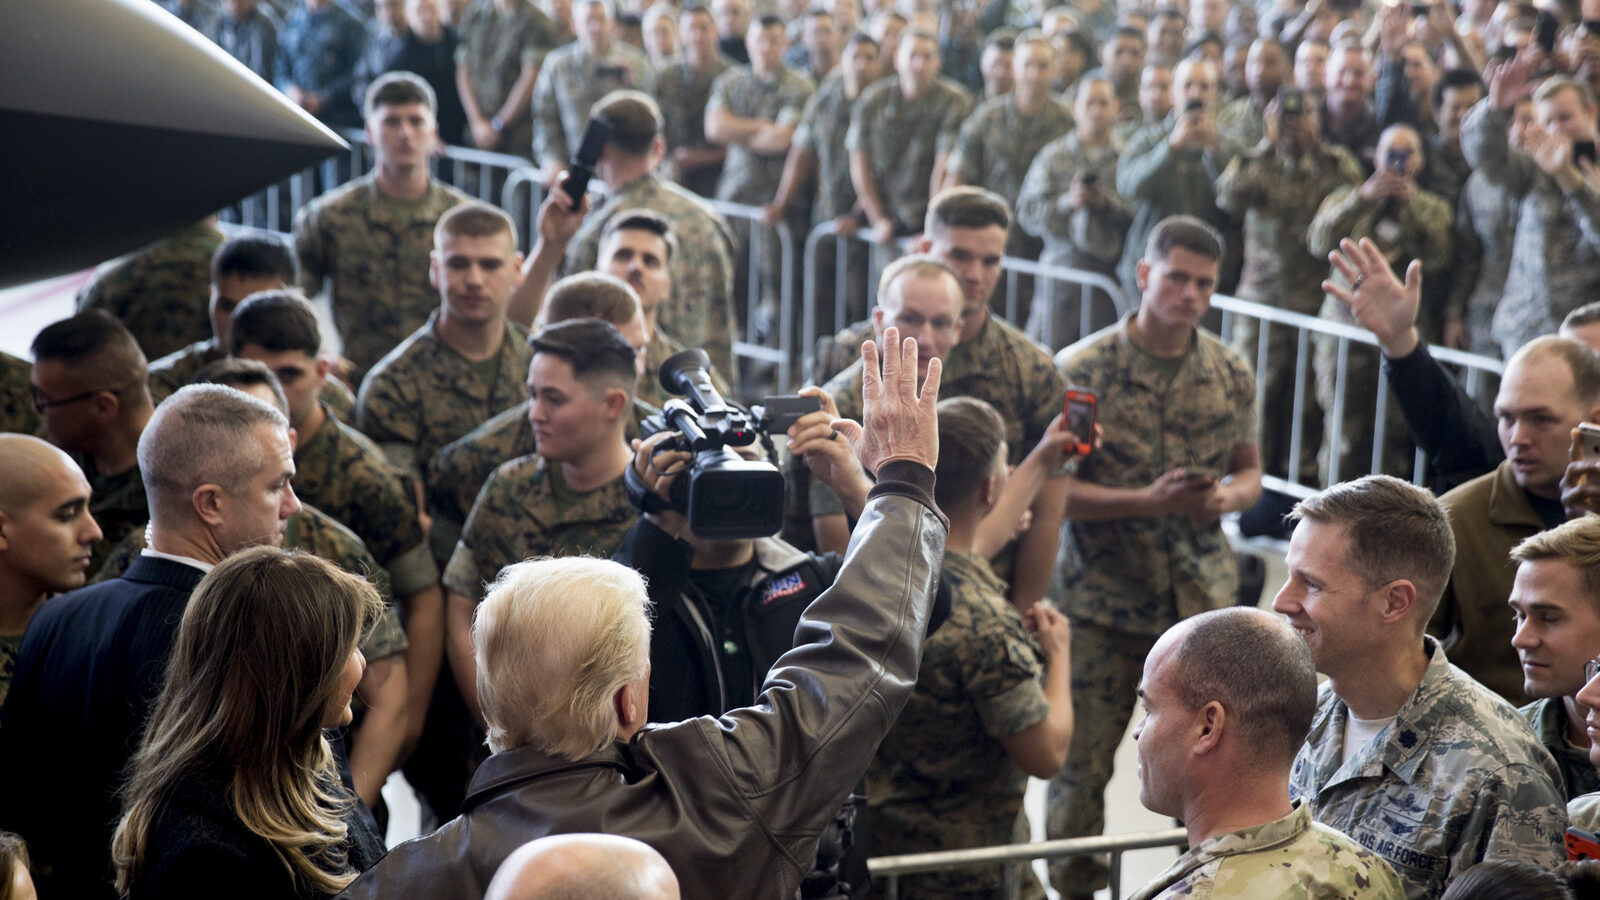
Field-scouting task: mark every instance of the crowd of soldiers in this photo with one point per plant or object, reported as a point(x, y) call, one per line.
point(1424, 172)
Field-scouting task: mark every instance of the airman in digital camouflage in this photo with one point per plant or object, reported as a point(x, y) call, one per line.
point(575, 77)
point(366, 243)
point(991, 706)
point(1228, 696)
point(682, 87)
point(1146, 548)
point(902, 130)
point(159, 293)
point(1485, 235)
point(16, 396)
point(467, 363)
point(567, 499)
point(1440, 773)
point(699, 310)
point(500, 45)
point(89, 385)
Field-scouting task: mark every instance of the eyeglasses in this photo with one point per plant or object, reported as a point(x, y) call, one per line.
point(908, 322)
point(1590, 670)
point(42, 402)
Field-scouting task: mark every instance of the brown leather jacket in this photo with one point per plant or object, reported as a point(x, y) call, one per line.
point(734, 803)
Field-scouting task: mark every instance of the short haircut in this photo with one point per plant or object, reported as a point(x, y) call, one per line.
point(1554, 86)
point(634, 117)
point(13, 857)
point(277, 322)
point(590, 295)
point(967, 207)
point(230, 371)
point(203, 434)
point(255, 254)
point(474, 219)
point(398, 89)
point(1581, 359)
point(768, 21)
point(696, 9)
point(548, 668)
point(970, 434)
point(1261, 672)
point(1080, 42)
point(1188, 232)
point(857, 38)
point(1455, 79)
point(920, 265)
point(1003, 39)
point(95, 344)
point(921, 34)
point(1508, 878)
point(1587, 314)
point(599, 357)
point(1396, 530)
point(1128, 31)
point(1033, 37)
point(642, 220)
point(1576, 542)
point(1200, 40)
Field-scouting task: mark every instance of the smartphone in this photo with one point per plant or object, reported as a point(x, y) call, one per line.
point(1079, 416)
point(1194, 105)
point(1419, 10)
point(1582, 844)
point(1201, 474)
point(1397, 161)
point(1504, 54)
point(780, 412)
point(1290, 103)
point(1090, 179)
point(1544, 32)
point(1582, 150)
point(595, 136)
point(1589, 440)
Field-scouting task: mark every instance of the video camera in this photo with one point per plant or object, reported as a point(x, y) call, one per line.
point(723, 494)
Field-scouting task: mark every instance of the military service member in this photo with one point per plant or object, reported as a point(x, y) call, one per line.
point(1070, 201)
point(987, 711)
point(159, 293)
point(16, 396)
point(46, 536)
point(90, 386)
point(565, 500)
point(468, 362)
point(244, 264)
point(1228, 698)
point(700, 309)
point(682, 88)
point(500, 46)
point(368, 241)
point(1266, 69)
point(1146, 547)
point(574, 78)
point(1407, 754)
point(1485, 235)
point(902, 130)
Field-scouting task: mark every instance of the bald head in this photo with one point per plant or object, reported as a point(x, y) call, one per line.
point(47, 534)
point(31, 465)
point(588, 866)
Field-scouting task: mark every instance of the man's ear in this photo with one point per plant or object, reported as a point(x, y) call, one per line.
point(208, 505)
point(1141, 275)
point(435, 275)
point(1399, 599)
point(631, 705)
point(617, 402)
point(924, 244)
point(5, 542)
point(1210, 724)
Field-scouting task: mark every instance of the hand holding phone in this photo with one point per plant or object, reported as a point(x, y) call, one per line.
point(1078, 417)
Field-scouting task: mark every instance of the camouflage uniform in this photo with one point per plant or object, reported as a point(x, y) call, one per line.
point(495, 48)
point(1555, 257)
point(700, 310)
point(1584, 812)
point(1160, 182)
point(161, 293)
point(16, 396)
point(1456, 779)
point(177, 369)
point(424, 395)
point(1292, 857)
point(1485, 230)
point(902, 140)
point(313, 532)
point(461, 468)
point(117, 503)
point(1548, 719)
point(318, 51)
point(748, 176)
point(941, 779)
point(517, 517)
point(1082, 238)
point(682, 94)
point(662, 346)
point(1241, 122)
point(373, 251)
point(1277, 198)
point(341, 472)
point(1129, 580)
point(823, 125)
point(1420, 230)
point(570, 82)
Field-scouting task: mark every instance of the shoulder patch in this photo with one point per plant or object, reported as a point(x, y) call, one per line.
point(786, 586)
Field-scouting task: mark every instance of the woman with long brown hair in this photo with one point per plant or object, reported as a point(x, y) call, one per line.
point(234, 788)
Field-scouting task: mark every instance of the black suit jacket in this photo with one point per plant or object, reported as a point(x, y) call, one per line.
point(89, 669)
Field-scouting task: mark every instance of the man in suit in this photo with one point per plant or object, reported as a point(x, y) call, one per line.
point(216, 465)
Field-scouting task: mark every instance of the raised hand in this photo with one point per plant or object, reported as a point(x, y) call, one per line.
point(897, 422)
point(1378, 300)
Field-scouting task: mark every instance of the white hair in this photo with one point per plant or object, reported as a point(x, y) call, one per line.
point(555, 639)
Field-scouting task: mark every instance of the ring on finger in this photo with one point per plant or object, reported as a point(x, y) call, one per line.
point(1356, 285)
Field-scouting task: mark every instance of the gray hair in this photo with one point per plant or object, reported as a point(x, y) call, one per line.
point(203, 434)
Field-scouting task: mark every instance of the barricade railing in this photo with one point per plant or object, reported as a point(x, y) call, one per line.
point(1013, 856)
point(1476, 372)
point(755, 345)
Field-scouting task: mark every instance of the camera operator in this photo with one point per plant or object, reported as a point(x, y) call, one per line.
point(1405, 222)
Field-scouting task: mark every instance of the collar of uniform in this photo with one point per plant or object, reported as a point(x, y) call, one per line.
point(448, 375)
point(1256, 838)
point(1197, 366)
point(1508, 501)
point(1548, 719)
point(1408, 741)
point(606, 503)
point(380, 209)
point(974, 568)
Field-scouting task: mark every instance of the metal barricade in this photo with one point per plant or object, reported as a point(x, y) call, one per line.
point(890, 868)
point(752, 347)
point(1475, 370)
point(1093, 289)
